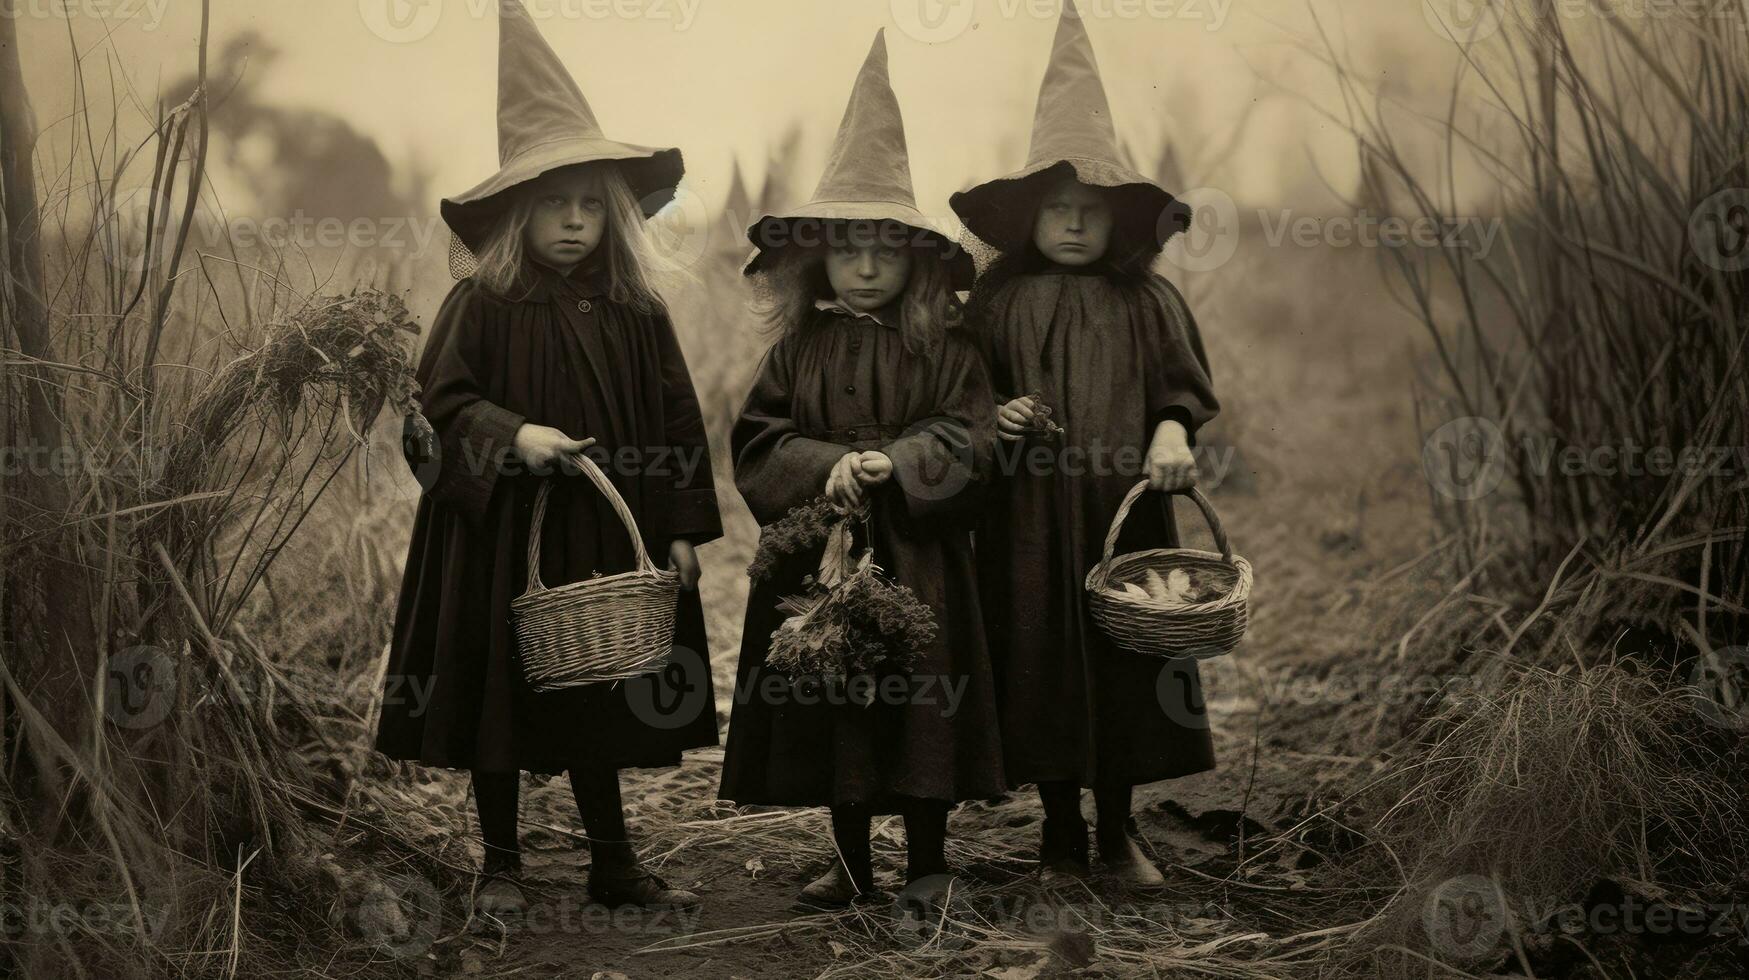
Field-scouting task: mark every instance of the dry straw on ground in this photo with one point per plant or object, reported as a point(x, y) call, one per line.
point(222, 396)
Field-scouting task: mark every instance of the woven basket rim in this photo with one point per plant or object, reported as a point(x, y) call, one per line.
point(1130, 557)
point(661, 576)
point(1099, 585)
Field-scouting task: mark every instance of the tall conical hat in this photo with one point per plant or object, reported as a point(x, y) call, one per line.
point(544, 123)
point(867, 176)
point(1072, 133)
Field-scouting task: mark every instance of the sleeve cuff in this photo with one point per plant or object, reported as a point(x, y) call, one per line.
point(691, 514)
point(932, 478)
point(485, 436)
point(792, 473)
point(1174, 413)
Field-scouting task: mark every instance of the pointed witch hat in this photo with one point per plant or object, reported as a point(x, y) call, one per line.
point(867, 177)
point(544, 123)
point(1072, 134)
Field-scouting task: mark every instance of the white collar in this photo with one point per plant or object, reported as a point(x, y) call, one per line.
point(834, 306)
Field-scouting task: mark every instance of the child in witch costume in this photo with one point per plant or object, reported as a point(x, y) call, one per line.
point(871, 395)
point(1071, 312)
point(555, 345)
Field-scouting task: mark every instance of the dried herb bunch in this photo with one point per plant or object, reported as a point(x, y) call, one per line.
point(866, 624)
point(852, 620)
point(1043, 425)
point(799, 530)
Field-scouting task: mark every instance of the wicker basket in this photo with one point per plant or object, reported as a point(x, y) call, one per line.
point(609, 628)
point(1198, 630)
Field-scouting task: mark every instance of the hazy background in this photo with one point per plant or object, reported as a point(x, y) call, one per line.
point(726, 81)
point(1434, 602)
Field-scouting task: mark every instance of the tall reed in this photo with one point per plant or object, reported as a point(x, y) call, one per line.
point(1594, 365)
point(171, 418)
point(1585, 429)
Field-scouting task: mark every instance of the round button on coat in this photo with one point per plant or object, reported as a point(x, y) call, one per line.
point(583, 306)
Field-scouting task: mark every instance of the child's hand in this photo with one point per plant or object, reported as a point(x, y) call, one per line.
point(1171, 466)
point(539, 445)
point(872, 469)
point(1015, 419)
point(841, 486)
point(683, 559)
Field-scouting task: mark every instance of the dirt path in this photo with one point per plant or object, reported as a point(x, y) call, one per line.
point(749, 868)
point(1321, 502)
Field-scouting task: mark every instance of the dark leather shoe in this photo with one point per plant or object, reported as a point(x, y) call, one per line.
point(1124, 860)
point(633, 885)
point(837, 888)
point(499, 896)
point(1062, 854)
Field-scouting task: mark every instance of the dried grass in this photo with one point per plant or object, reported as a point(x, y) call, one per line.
point(171, 795)
point(1548, 787)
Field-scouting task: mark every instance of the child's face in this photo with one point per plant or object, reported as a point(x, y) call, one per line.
point(568, 218)
point(867, 270)
point(1073, 225)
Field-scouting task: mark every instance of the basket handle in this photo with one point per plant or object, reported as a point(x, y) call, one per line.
point(1202, 502)
point(607, 489)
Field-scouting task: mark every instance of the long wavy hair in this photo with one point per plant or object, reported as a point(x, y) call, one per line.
point(785, 292)
point(634, 269)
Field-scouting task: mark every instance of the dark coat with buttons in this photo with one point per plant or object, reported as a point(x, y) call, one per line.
point(567, 356)
point(841, 383)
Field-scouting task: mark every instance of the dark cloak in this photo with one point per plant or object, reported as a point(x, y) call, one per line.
point(837, 384)
point(565, 355)
point(1111, 359)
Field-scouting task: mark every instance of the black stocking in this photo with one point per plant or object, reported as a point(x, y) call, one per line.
point(596, 789)
point(850, 825)
point(495, 797)
point(1062, 800)
point(1114, 812)
point(1065, 830)
point(925, 838)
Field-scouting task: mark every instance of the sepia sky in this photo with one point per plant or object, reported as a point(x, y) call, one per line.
point(723, 79)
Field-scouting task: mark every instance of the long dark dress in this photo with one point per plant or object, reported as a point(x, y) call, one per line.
point(845, 383)
point(1111, 364)
point(568, 356)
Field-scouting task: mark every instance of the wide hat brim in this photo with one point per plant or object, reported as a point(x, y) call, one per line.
point(1000, 212)
point(775, 232)
point(653, 174)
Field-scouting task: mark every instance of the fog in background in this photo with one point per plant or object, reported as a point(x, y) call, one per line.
point(366, 92)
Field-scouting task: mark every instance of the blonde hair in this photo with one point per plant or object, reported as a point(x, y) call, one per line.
point(635, 270)
point(785, 291)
